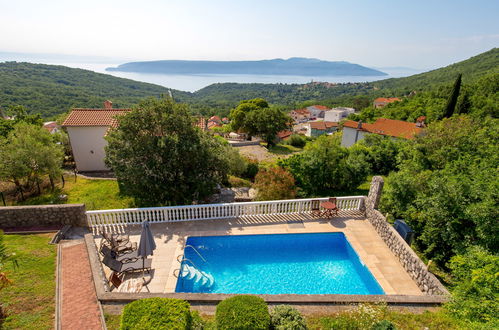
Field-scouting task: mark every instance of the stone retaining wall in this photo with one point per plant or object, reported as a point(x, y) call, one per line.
point(43, 215)
point(425, 280)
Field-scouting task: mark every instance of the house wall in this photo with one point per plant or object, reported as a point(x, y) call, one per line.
point(88, 145)
point(351, 136)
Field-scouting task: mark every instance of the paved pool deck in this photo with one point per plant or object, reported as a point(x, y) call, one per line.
point(170, 240)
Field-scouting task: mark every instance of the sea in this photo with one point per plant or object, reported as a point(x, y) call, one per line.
point(194, 82)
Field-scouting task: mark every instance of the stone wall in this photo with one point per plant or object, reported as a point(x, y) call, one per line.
point(426, 281)
point(43, 215)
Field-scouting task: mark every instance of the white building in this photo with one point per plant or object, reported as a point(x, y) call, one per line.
point(355, 131)
point(317, 111)
point(337, 114)
point(86, 129)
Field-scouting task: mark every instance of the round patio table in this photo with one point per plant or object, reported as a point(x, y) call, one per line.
point(330, 209)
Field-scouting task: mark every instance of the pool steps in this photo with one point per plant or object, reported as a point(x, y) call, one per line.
point(198, 276)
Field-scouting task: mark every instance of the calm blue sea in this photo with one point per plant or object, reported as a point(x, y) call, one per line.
point(319, 263)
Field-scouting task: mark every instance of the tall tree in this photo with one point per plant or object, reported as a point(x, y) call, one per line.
point(451, 103)
point(464, 105)
point(159, 157)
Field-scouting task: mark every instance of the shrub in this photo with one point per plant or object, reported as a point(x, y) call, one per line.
point(284, 317)
point(384, 325)
point(156, 313)
point(297, 141)
point(242, 312)
point(234, 181)
point(274, 183)
point(251, 169)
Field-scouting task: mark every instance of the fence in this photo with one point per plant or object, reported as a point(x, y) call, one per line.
point(120, 217)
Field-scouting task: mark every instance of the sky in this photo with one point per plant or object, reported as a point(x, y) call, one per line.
point(378, 33)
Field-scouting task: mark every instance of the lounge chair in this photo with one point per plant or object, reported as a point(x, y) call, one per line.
point(126, 256)
point(131, 285)
point(118, 243)
point(127, 267)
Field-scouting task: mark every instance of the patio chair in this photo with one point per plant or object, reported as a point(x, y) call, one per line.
point(316, 207)
point(126, 256)
point(335, 210)
point(127, 267)
point(117, 243)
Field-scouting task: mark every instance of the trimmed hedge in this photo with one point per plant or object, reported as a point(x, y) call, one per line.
point(242, 312)
point(156, 313)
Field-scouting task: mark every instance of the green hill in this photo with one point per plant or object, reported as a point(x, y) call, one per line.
point(472, 69)
point(53, 89)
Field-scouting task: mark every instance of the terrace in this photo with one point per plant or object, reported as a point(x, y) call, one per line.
point(401, 275)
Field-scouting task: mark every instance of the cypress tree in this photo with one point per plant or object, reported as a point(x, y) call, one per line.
point(451, 103)
point(465, 105)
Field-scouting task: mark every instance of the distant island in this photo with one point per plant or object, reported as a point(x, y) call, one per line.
point(295, 66)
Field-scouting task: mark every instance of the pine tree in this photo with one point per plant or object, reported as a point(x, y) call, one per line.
point(451, 103)
point(464, 105)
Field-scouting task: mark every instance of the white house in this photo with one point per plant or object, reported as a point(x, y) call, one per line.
point(354, 131)
point(317, 111)
point(86, 129)
point(337, 114)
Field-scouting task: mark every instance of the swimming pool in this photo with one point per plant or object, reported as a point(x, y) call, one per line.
point(318, 263)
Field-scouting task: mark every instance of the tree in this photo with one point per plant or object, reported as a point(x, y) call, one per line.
point(464, 106)
point(267, 122)
point(159, 157)
point(255, 117)
point(27, 154)
point(274, 183)
point(447, 187)
point(452, 101)
point(380, 151)
point(325, 167)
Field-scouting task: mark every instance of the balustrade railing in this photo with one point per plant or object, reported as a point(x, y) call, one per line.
point(120, 217)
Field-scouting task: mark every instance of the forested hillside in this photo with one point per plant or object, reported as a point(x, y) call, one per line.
point(53, 89)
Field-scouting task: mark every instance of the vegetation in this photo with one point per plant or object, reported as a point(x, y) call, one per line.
point(255, 117)
point(242, 312)
point(160, 158)
point(476, 293)
point(446, 187)
point(28, 154)
point(274, 183)
point(29, 302)
point(452, 102)
point(285, 317)
point(156, 313)
point(325, 167)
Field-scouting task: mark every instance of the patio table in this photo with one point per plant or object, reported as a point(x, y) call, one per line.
point(330, 209)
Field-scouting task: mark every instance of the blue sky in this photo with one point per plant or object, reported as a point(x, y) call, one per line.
point(418, 34)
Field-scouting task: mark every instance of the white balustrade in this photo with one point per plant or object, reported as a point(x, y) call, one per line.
point(120, 217)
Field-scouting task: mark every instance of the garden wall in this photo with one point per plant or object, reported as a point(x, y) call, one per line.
point(43, 215)
point(425, 280)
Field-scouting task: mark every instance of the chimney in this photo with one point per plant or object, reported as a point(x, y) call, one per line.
point(359, 124)
point(420, 121)
point(108, 104)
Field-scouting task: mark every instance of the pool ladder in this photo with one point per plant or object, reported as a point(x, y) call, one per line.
point(192, 272)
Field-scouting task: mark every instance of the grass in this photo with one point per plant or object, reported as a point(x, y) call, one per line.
point(283, 149)
point(112, 321)
point(95, 194)
point(235, 181)
point(30, 301)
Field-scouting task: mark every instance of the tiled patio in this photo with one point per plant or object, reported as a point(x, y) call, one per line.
point(170, 238)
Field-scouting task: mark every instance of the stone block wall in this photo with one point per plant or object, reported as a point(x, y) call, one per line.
point(43, 215)
point(425, 280)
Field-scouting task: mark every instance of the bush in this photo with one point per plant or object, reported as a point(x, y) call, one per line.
point(285, 317)
point(274, 183)
point(251, 169)
point(297, 141)
point(242, 312)
point(156, 313)
point(384, 325)
point(235, 182)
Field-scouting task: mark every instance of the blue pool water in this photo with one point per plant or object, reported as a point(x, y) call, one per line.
point(319, 263)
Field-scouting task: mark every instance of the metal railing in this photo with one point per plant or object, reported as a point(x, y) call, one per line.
point(123, 217)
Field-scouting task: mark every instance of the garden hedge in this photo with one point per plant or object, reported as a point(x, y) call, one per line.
point(156, 313)
point(242, 312)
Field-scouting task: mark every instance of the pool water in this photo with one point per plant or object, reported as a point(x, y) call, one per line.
point(318, 263)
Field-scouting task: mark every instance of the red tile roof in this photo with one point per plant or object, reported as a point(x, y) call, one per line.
point(321, 107)
point(215, 118)
point(386, 99)
point(322, 125)
point(388, 127)
point(284, 134)
point(94, 117)
point(302, 111)
point(212, 124)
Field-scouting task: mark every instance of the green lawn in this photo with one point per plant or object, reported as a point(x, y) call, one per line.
point(30, 301)
point(95, 194)
point(283, 149)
